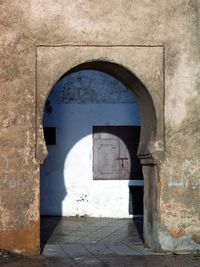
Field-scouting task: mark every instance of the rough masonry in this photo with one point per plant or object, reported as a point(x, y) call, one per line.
point(152, 47)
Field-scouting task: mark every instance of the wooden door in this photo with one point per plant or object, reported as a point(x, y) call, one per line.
point(115, 153)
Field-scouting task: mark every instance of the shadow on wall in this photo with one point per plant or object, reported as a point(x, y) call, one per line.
point(87, 98)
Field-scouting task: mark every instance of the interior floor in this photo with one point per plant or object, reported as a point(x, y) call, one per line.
point(76, 236)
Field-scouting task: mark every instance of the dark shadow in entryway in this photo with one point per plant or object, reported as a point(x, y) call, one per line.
point(47, 227)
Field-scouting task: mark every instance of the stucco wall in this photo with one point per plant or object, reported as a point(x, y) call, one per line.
point(76, 104)
point(174, 25)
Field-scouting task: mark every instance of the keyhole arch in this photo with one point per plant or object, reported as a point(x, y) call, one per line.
point(151, 134)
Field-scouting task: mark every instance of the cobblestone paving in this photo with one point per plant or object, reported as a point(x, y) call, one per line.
point(103, 260)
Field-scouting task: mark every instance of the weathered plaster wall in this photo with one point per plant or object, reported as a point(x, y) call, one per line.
point(171, 24)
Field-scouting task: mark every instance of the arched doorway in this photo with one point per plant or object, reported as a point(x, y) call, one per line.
point(92, 128)
point(147, 139)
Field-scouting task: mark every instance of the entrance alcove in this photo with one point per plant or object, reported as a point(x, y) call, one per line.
point(151, 135)
point(92, 127)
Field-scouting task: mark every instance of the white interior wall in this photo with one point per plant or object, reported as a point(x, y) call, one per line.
point(67, 185)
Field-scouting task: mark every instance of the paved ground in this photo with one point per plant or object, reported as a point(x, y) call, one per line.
point(95, 242)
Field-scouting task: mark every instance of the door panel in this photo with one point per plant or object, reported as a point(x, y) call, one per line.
point(115, 152)
point(105, 154)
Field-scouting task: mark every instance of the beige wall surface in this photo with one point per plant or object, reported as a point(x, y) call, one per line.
point(27, 27)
